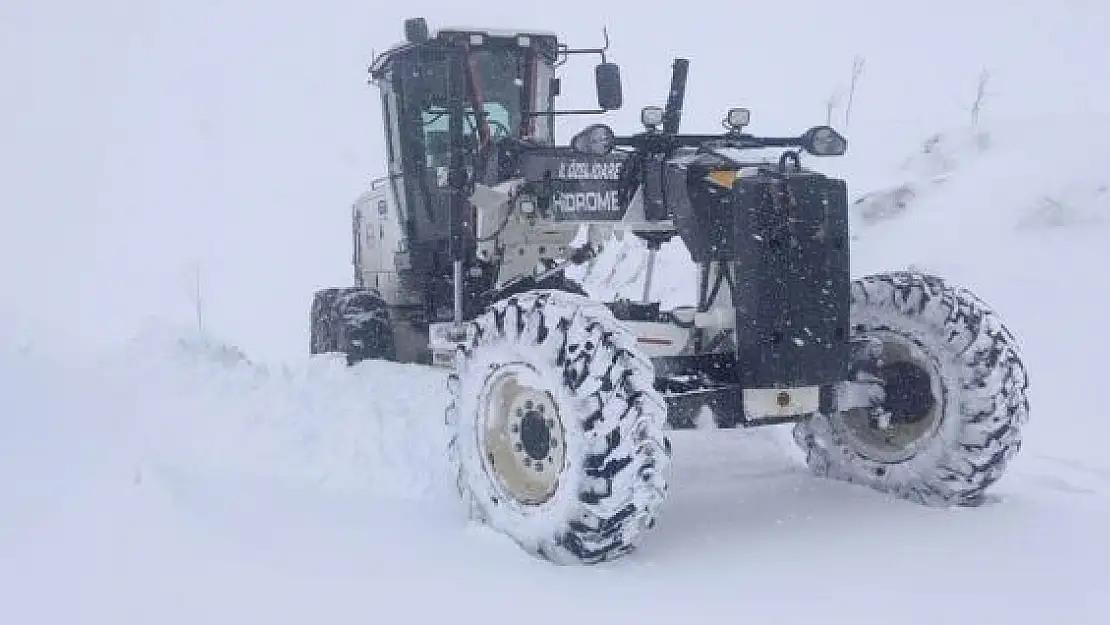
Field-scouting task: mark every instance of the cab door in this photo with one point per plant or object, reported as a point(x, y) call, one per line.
point(377, 239)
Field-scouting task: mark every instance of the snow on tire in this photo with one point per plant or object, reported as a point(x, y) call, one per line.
point(557, 430)
point(955, 396)
point(322, 321)
point(351, 320)
point(365, 331)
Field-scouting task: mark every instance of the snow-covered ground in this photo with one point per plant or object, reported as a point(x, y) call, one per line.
point(149, 474)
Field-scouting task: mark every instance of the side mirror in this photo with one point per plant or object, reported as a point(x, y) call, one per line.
point(609, 96)
point(824, 141)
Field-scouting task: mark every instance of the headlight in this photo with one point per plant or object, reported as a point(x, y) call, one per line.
point(824, 141)
point(527, 205)
point(651, 116)
point(738, 118)
point(595, 139)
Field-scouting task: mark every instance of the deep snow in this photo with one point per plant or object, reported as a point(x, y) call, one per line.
point(151, 475)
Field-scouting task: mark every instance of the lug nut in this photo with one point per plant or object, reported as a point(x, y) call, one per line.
point(518, 447)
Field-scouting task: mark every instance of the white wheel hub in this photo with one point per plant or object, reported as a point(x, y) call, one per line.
point(520, 435)
point(914, 411)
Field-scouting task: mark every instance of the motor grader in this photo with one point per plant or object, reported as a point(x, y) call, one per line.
point(560, 404)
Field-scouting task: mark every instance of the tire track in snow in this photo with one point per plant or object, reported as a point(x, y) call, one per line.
point(1066, 475)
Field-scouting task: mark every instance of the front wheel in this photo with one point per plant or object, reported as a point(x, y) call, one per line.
point(952, 398)
point(557, 428)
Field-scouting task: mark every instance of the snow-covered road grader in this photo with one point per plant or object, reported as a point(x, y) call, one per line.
point(560, 404)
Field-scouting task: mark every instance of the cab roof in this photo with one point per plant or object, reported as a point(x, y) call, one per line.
point(448, 35)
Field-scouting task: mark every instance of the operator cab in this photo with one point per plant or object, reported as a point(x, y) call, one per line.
point(428, 80)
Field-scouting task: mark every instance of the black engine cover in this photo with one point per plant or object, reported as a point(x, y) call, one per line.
point(784, 236)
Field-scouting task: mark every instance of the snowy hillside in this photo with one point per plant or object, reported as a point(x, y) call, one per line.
point(151, 474)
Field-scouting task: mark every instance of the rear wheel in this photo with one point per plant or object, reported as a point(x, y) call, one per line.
point(951, 400)
point(353, 321)
point(557, 430)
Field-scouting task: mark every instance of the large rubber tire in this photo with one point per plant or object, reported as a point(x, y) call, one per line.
point(962, 421)
point(588, 494)
point(322, 336)
point(353, 321)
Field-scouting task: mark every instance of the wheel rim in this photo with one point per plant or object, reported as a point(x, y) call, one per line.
point(521, 435)
point(913, 403)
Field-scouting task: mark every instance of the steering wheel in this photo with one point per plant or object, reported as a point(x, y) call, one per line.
point(500, 130)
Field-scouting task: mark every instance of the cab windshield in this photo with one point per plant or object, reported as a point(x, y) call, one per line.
point(503, 84)
point(507, 83)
